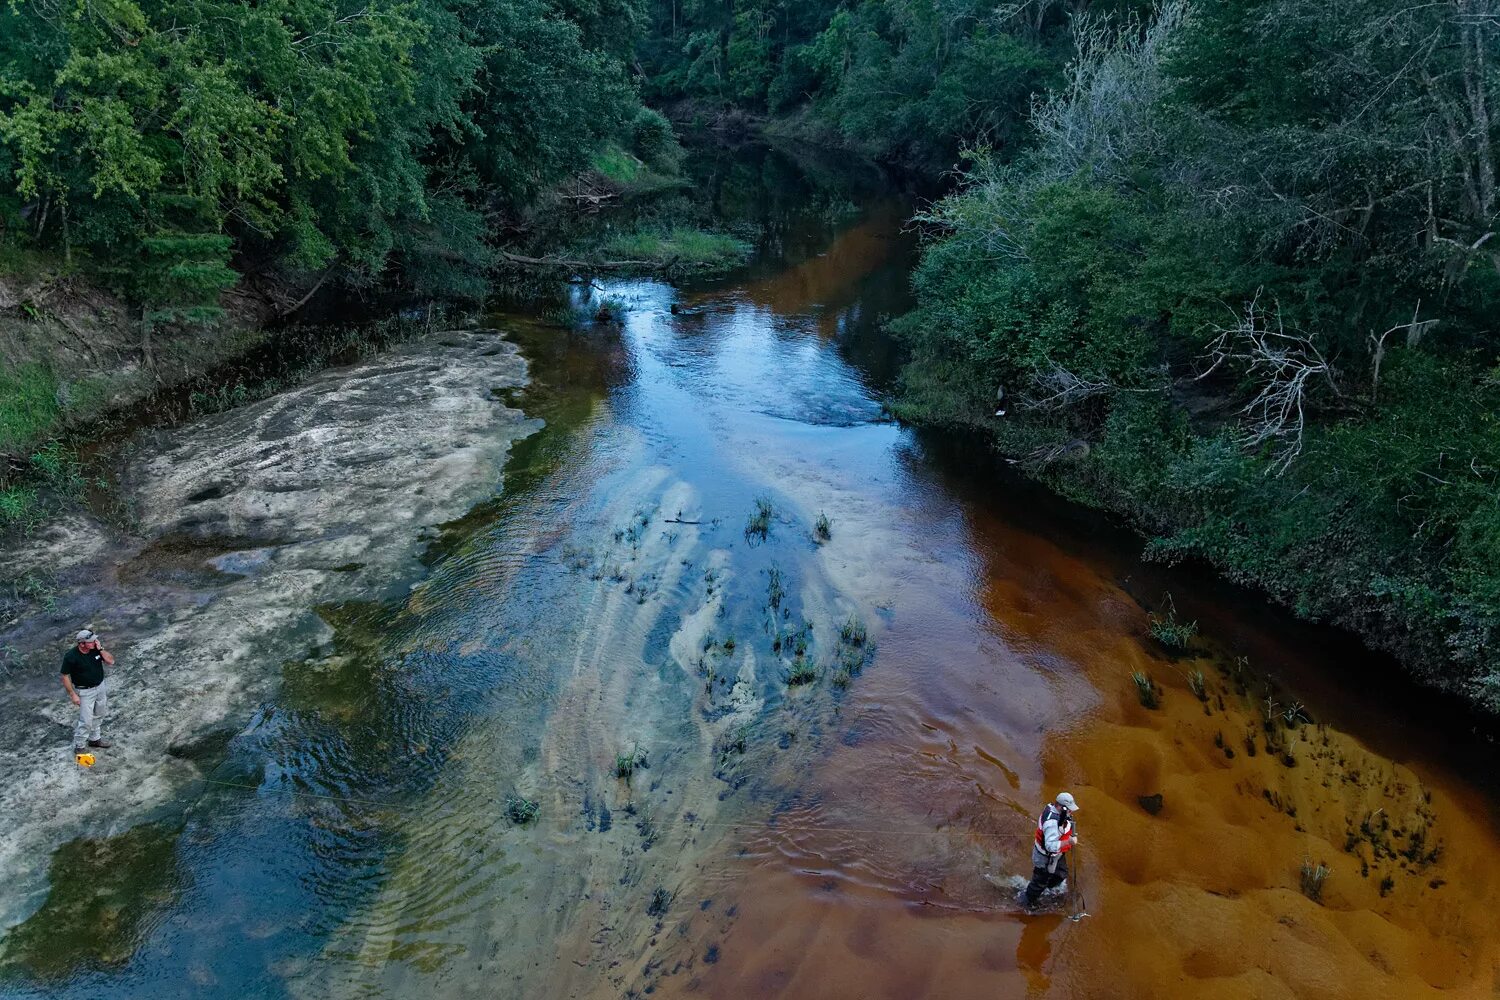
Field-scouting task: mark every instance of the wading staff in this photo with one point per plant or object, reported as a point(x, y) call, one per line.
point(1081, 904)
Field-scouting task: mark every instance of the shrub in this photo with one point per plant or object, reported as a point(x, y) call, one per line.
point(653, 139)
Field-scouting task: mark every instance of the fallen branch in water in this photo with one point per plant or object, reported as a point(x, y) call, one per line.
point(579, 265)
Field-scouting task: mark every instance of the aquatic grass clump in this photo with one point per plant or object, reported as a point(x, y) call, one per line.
point(610, 310)
point(1312, 878)
point(1198, 685)
point(626, 764)
point(1168, 630)
point(801, 672)
point(661, 901)
point(853, 632)
point(1145, 689)
point(520, 809)
point(566, 316)
point(823, 528)
point(775, 592)
point(1172, 633)
point(841, 678)
point(759, 524)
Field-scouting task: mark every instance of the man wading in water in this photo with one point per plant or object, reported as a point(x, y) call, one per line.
point(83, 679)
point(1055, 837)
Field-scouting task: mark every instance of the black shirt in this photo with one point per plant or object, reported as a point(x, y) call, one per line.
point(86, 669)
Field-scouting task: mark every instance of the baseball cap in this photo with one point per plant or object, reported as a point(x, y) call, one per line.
point(1066, 800)
point(85, 635)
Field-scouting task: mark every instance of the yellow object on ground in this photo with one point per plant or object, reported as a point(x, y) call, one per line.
point(84, 759)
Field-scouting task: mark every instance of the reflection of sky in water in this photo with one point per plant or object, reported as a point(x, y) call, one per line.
point(740, 357)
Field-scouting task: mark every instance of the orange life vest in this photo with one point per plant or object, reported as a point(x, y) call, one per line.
point(1064, 829)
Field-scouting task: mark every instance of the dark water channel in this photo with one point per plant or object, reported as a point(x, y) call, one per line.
point(966, 654)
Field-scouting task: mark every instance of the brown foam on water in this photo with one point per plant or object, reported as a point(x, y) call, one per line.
point(868, 883)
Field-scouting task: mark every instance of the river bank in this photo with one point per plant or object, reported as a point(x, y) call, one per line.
point(242, 526)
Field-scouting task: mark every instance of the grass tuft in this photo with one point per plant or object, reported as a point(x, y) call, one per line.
point(1168, 630)
point(520, 809)
point(823, 528)
point(853, 632)
point(1145, 689)
point(626, 764)
point(759, 525)
point(801, 672)
point(1198, 685)
point(775, 592)
point(1312, 877)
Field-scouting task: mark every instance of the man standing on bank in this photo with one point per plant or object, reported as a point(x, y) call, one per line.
point(83, 679)
point(1055, 837)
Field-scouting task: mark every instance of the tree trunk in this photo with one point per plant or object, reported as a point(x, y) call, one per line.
point(147, 361)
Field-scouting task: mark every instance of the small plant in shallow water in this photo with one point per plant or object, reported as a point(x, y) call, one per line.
point(759, 525)
point(775, 592)
point(1198, 685)
point(823, 528)
point(626, 764)
point(1145, 689)
point(1313, 876)
point(609, 310)
point(853, 632)
point(520, 809)
point(1170, 632)
point(729, 644)
point(801, 672)
point(661, 902)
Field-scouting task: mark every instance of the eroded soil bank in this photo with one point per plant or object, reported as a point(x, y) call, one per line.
point(782, 679)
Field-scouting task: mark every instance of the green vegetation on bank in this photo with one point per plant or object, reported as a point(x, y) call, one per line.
point(171, 147)
point(1243, 289)
point(679, 247)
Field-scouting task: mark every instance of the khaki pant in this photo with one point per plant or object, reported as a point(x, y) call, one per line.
point(93, 706)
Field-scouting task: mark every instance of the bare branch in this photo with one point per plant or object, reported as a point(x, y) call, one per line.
point(1282, 364)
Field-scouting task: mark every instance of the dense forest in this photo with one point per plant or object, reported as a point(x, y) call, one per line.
point(1227, 268)
point(173, 146)
point(913, 82)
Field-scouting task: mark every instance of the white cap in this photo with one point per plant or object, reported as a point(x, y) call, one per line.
point(1066, 800)
point(85, 635)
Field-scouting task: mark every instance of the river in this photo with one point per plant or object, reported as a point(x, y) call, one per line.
point(636, 592)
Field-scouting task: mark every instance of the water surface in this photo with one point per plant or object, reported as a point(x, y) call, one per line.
point(819, 839)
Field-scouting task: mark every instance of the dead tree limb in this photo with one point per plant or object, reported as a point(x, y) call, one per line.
point(1282, 364)
point(578, 265)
